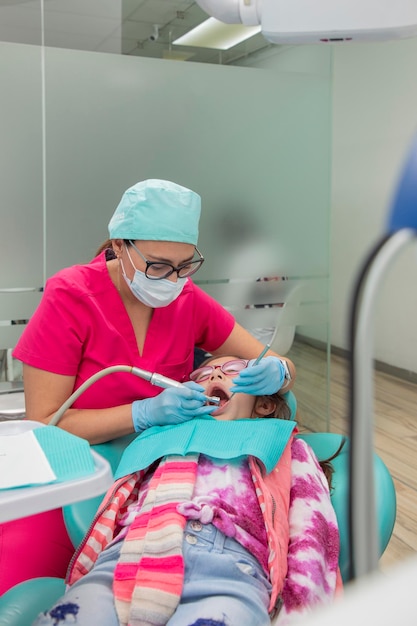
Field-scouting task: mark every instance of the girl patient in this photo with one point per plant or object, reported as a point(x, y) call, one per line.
point(199, 539)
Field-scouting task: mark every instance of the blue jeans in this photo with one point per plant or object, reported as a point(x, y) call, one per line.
point(224, 585)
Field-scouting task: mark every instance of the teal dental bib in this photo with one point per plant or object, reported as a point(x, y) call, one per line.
point(263, 438)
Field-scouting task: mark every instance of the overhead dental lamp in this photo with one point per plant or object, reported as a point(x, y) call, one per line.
point(320, 21)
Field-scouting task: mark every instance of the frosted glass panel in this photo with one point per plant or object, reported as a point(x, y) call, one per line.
point(21, 206)
point(254, 143)
point(253, 147)
point(21, 21)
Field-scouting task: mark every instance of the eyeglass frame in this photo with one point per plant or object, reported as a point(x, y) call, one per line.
point(214, 367)
point(173, 268)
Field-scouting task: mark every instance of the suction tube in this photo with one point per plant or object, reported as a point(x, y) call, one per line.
point(153, 378)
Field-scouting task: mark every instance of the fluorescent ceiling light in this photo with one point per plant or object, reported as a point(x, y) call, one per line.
point(177, 55)
point(215, 34)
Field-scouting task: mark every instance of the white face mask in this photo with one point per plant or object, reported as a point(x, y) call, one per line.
point(153, 293)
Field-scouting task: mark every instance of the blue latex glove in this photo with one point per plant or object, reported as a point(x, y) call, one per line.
point(173, 406)
point(263, 379)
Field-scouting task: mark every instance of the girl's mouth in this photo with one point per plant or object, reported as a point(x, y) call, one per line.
point(224, 398)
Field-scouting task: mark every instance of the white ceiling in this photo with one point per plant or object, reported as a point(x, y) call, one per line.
point(115, 26)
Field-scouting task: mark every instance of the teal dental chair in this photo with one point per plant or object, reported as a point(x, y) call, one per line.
point(21, 605)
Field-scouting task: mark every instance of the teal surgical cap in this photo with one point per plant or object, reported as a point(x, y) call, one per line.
point(157, 210)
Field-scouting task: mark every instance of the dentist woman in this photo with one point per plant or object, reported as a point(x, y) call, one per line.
point(132, 305)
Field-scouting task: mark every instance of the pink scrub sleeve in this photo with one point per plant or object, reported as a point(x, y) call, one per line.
point(53, 339)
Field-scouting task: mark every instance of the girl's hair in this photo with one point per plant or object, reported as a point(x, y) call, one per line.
point(326, 464)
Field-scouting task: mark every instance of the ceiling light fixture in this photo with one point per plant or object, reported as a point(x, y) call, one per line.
point(215, 34)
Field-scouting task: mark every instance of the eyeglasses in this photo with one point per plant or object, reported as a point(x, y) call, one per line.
point(230, 368)
point(155, 270)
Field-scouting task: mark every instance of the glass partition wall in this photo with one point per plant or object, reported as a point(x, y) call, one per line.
point(79, 127)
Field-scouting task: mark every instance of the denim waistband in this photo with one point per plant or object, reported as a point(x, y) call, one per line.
point(208, 533)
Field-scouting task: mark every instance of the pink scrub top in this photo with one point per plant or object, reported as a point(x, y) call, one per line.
point(81, 326)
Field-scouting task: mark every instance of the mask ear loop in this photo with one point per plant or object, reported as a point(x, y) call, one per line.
point(122, 267)
point(119, 270)
point(130, 259)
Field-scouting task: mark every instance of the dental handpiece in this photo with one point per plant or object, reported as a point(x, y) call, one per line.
point(163, 381)
point(154, 379)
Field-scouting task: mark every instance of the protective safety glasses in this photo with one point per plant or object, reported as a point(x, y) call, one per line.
point(230, 368)
point(155, 270)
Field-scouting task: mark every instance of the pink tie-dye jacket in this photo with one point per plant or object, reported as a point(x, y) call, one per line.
point(313, 575)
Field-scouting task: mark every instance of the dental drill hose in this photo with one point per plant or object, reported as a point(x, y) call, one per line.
point(155, 379)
